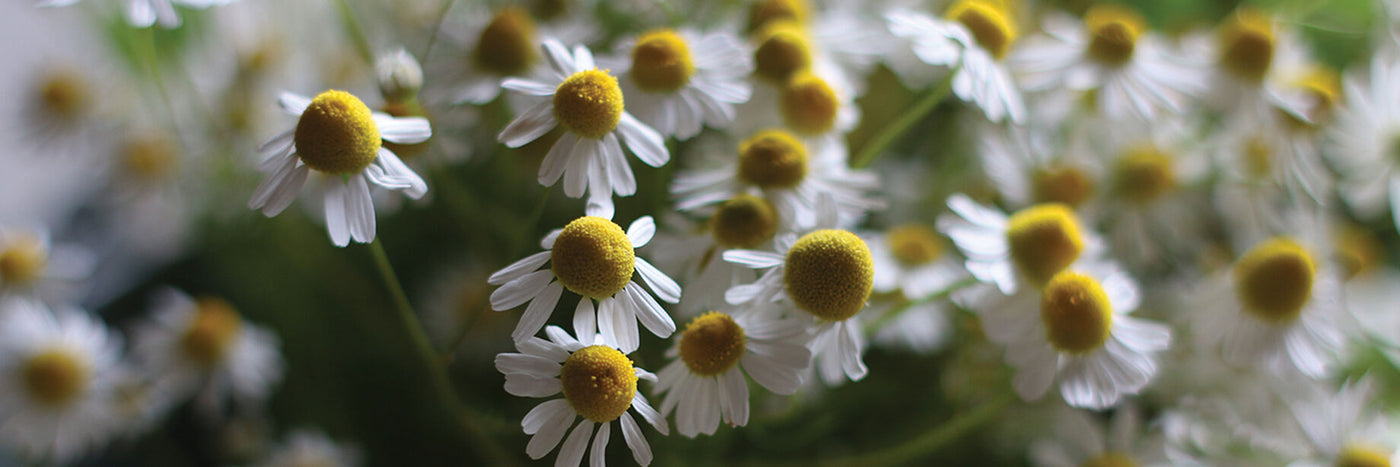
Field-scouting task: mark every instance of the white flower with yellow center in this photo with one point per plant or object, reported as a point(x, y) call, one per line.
point(309, 448)
point(145, 13)
point(680, 81)
point(1366, 140)
point(975, 36)
point(788, 172)
point(802, 89)
point(744, 221)
point(203, 346)
point(1132, 71)
point(338, 136)
point(705, 381)
point(1080, 440)
point(1081, 337)
point(1023, 250)
point(588, 103)
point(57, 367)
point(31, 265)
point(1344, 430)
point(1145, 216)
point(592, 257)
point(1255, 57)
point(598, 382)
point(486, 45)
point(912, 258)
point(1028, 167)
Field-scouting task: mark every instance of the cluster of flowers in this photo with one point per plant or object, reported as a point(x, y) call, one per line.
point(1163, 226)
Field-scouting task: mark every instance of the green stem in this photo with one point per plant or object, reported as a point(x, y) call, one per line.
point(150, 58)
point(934, 439)
point(437, 27)
point(357, 33)
point(906, 120)
point(880, 323)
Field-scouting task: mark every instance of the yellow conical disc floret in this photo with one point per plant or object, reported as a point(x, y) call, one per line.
point(1247, 44)
point(598, 382)
point(765, 12)
point(55, 377)
point(772, 159)
point(1044, 240)
point(507, 45)
point(1144, 174)
point(661, 61)
point(829, 273)
point(22, 260)
point(1061, 184)
point(745, 221)
point(1274, 280)
point(593, 257)
point(1113, 33)
point(589, 103)
point(1110, 459)
point(988, 22)
point(711, 344)
point(63, 94)
point(808, 104)
point(783, 50)
point(337, 134)
point(1076, 313)
point(149, 157)
point(1360, 455)
point(211, 332)
point(914, 244)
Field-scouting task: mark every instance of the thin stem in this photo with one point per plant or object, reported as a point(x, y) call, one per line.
point(357, 33)
point(534, 218)
point(880, 323)
point(934, 439)
point(146, 49)
point(437, 27)
point(906, 120)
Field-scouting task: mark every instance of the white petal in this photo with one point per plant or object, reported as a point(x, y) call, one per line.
point(521, 290)
point(542, 413)
point(648, 311)
point(665, 288)
point(530, 87)
point(606, 326)
point(279, 189)
point(558, 158)
point(403, 130)
point(572, 452)
point(519, 268)
point(753, 258)
point(585, 319)
point(734, 397)
point(649, 414)
point(335, 203)
point(558, 57)
point(641, 231)
point(641, 451)
point(550, 433)
point(644, 142)
point(596, 457)
point(294, 104)
point(359, 209)
point(538, 312)
point(529, 126)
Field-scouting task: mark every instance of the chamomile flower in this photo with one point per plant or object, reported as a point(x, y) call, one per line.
point(1366, 141)
point(912, 258)
point(680, 81)
point(489, 46)
point(706, 380)
point(145, 13)
point(592, 257)
point(1342, 430)
point(744, 221)
point(304, 447)
point(337, 136)
point(801, 89)
point(1081, 440)
point(1022, 250)
point(1082, 338)
point(1254, 55)
point(1146, 218)
point(61, 111)
point(54, 404)
point(203, 346)
point(974, 38)
point(1029, 167)
point(1132, 71)
point(31, 265)
point(588, 104)
point(598, 382)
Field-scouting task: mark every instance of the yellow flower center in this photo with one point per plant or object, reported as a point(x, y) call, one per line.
point(914, 244)
point(598, 382)
point(337, 134)
point(1274, 280)
point(589, 103)
point(1061, 184)
point(711, 344)
point(1076, 313)
point(829, 274)
point(1144, 174)
point(23, 260)
point(661, 61)
point(1356, 455)
point(1358, 251)
point(808, 104)
point(1110, 459)
point(406, 109)
point(1044, 240)
point(1113, 33)
point(211, 331)
point(149, 157)
point(1247, 44)
point(765, 12)
point(989, 24)
point(1323, 88)
point(507, 45)
point(772, 159)
point(593, 257)
point(745, 221)
point(55, 377)
point(782, 51)
point(63, 94)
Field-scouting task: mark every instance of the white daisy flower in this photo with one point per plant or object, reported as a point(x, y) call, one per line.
point(680, 81)
point(203, 346)
point(588, 103)
point(705, 381)
point(598, 382)
point(1343, 431)
point(338, 136)
point(592, 257)
point(487, 46)
point(1255, 56)
point(1082, 337)
point(744, 221)
point(1371, 286)
point(1144, 213)
point(1028, 167)
point(1366, 141)
point(55, 402)
point(145, 13)
point(786, 171)
point(911, 258)
point(1024, 249)
point(801, 89)
point(304, 447)
point(1132, 71)
point(31, 265)
point(975, 38)
point(1081, 440)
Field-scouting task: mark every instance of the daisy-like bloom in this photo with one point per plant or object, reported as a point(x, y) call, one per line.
point(54, 403)
point(305, 447)
point(501, 44)
point(1028, 168)
point(203, 346)
point(1343, 431)
point(31, 265)
point(744, 221)
point(911, 258)
point(339, 137)
point(1022, 250)
point(1254, 56)
point(1145, 216)
point(705, 381)
point(975, 37)
point(1366, 141)
point(680, 81)
point(588, 104)
point(592, 257)
point(145, 13)
point(1370, 285)
point(1082, 337)
point(1132, 71)
point(786, 171)
point(803, 89)
point(1081, 440)
point(598, 382)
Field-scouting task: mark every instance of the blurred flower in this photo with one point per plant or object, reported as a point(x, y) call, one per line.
point(1080, 440)
point(145, 13)
point(1342, 429)
point(974, 39)
point(680, 81)
point(304, 447)
point(31, 265)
